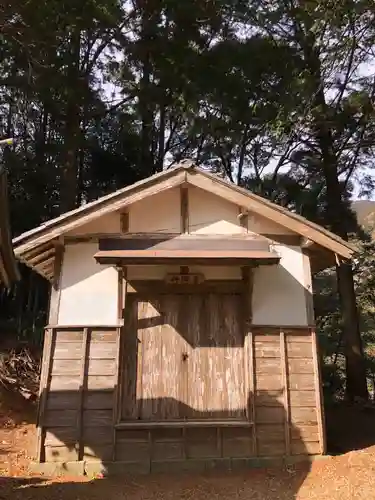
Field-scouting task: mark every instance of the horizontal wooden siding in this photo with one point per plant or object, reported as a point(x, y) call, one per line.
point(79, 405)
point(78, 415)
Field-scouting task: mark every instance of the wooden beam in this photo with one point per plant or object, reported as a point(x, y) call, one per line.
point(308, 289)
point(124, 221)
point(319, 392)
point(243, 216)
point(181, 244)
point(161, 287)
point(119, 354)
point(248, 279)
point(46, 264)
point(116, 415)
point(184, 209)
point(43, 390)
point(41, 257)
point(306, 243)
point(283, 239)
point(95, 237)
point(183, 423)
point(35, 251)
point(55, 289)
point(82, 381)
point(186, 258)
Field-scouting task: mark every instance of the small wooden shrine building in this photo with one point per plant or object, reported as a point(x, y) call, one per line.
point(181, 329)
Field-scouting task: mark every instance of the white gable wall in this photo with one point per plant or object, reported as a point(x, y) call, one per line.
point(89, 290)
point(209, 214)
point(157, 214)
point(260, 225)
point(109, 223)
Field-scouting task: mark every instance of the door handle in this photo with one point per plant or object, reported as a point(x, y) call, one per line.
point(185, 356)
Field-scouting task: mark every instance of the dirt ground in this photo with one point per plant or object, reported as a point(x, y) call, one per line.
point(349, 475)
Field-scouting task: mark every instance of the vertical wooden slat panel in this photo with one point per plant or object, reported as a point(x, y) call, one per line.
point(43, 389)
point(197, 327)
point(318, 392)
point(284, 375)
point(131, 347)
point(244, 219)
point(83, 376)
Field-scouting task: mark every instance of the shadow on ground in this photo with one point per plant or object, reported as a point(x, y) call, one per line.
point(349, 428)
point(262, 484)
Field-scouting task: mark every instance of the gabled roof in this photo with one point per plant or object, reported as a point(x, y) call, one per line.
point(8, 264)
point(36, 247)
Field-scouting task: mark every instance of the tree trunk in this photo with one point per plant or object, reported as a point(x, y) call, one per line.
point(161, 141)
point(356, 383)
point(241, 160)
point(146, 110)
point(69, 172)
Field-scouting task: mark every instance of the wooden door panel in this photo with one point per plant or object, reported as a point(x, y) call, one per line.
point(216, 375)
point(161, 378)
point(130, 365)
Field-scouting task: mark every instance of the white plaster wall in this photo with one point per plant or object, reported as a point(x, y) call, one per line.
point(109, 223)
point(88, 290)
point(156, 214)
point(261, 225)
point(210, 214)
point(279, 291)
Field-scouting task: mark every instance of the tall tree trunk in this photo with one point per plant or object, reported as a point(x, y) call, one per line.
point(148, 23)
point(356, 383)
point(69, 172)
point(241, 160)
point(161, 141)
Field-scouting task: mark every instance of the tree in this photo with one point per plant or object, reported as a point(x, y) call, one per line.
point(336, 124)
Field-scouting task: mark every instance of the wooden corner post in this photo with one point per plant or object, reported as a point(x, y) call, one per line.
point(184, 204)
point(54, 304)
point(248, 278)
point(121, 304)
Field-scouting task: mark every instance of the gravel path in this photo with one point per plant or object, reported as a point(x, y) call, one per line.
point(351, 476)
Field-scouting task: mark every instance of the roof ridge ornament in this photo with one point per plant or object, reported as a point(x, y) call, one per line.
point(187, 163)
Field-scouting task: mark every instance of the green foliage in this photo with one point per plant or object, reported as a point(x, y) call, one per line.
point(277, 96)
point(329, 321)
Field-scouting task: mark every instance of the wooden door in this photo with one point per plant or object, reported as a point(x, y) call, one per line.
point(183, 358)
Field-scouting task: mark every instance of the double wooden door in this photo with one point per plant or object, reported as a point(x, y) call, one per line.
point(183, 358)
